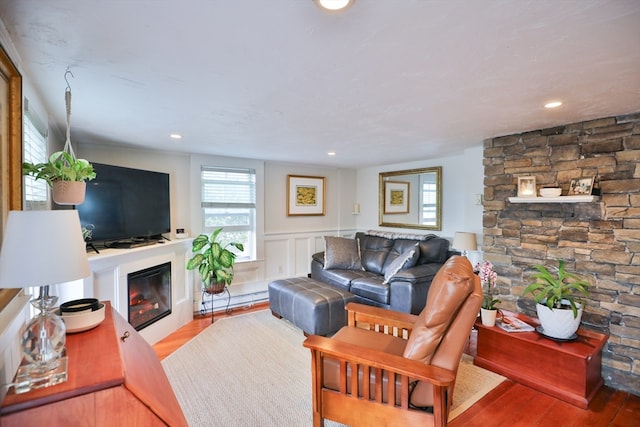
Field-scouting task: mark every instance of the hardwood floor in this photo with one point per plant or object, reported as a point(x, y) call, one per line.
point(510, 404)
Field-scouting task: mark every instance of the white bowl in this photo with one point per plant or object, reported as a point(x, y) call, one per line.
point(550, 192)
point(83, 321)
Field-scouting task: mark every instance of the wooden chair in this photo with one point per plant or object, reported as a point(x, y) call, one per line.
point(418, 355)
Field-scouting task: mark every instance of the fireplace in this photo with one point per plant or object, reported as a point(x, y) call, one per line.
point(149, 293)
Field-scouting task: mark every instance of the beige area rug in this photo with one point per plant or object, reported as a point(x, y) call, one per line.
point(252, 370)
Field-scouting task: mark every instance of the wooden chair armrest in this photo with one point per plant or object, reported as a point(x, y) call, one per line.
point(380, 319)
point(378, 359)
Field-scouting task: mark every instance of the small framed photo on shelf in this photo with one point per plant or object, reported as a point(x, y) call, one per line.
point(581, 186)
point(396, 197)
point(526, 186)
point(305, 195)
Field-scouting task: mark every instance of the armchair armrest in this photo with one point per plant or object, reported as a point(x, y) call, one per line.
point(380, 319)
point(353, 358)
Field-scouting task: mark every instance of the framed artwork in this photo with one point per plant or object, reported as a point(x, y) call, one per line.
point(396, 197)
point(305, 195)
point(581, 186)
point(526, 186)
point(10, 149)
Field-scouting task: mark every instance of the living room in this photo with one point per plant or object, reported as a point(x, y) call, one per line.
point(284, 244)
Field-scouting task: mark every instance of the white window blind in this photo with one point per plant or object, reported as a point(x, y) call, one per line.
point(36, 192)
point(229, 201)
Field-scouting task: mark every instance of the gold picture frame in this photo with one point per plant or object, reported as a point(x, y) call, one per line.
point(10, 149)
point(305, 195)
point(396, 197)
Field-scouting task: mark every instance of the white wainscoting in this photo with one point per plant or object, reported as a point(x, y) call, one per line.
point(285, 255)
point(109, 281)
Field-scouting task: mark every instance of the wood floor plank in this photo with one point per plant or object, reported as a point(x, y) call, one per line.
point(629, 413)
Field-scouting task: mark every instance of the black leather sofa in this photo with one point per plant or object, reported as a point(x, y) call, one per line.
point(405, 290)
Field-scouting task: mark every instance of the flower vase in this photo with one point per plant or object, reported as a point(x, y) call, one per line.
point(488, 316)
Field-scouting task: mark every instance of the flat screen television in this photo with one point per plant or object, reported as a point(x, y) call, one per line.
point(124, 204)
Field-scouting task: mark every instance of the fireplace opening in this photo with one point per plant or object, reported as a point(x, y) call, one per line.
point(149, 295)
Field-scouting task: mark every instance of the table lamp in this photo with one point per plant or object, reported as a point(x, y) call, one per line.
point(42, 248)
point(465, 242)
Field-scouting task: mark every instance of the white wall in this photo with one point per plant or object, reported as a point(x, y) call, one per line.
point(462, 180)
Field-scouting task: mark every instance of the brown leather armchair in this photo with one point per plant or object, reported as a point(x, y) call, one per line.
point(420, 353)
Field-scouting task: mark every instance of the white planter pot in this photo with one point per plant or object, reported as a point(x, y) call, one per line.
point(488, 316)
point(559, 323)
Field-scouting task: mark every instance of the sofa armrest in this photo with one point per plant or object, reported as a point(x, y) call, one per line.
point(417, 273)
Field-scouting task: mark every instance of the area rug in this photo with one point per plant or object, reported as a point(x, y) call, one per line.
point(252, 370)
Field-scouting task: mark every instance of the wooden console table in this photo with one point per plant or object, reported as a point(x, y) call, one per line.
point(569, 371)
point(114, 379)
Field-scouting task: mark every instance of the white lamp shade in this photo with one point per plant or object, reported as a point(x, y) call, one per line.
point(465, 241)
point(42, 248)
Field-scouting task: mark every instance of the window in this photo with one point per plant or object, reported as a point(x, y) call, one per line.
point(229, 201)
point(36, 192)
point(429, 200)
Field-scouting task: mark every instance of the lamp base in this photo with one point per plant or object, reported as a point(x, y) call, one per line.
point(28, 378)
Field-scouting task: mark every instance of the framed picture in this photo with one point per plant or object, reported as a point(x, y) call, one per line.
point(396, 197)
point(306, 195)
point(581, 186)
point(526, 186)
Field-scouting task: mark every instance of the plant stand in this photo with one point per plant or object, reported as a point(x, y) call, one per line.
point(225, 291)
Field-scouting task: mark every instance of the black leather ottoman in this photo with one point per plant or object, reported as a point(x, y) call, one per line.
point(314, 307)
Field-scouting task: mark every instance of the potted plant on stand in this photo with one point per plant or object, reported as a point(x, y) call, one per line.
point(65, 174)
point(557, 301)
point(214, 261)
point(488, 278)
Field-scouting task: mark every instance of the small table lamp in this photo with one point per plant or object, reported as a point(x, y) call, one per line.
point(465, 242)
point(42, 248)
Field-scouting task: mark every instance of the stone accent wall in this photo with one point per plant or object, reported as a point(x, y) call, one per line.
point(600, 240)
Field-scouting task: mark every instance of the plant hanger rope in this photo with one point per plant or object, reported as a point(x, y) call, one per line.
point(67, 98)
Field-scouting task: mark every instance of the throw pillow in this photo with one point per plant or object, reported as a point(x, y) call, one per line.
point(407, 260)
point(340, 252)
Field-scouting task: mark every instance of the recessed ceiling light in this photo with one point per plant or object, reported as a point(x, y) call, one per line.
point(175, 136)
point(554, 104)
point(331, 153)
point(334, 4)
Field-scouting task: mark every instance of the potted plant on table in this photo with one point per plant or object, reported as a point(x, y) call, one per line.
point(65, 174)
point(557, 300)
point(214, 261)
point(488, 278)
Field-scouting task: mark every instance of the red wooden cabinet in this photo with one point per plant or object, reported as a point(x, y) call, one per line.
point(112, 381)
point(570, 371)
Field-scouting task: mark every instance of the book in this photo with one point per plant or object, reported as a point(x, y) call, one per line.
point(513, 324)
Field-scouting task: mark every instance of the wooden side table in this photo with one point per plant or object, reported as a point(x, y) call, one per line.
point(570, 371)
point(115, 378)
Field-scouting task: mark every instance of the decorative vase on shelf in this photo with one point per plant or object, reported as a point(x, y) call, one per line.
point(488, 316)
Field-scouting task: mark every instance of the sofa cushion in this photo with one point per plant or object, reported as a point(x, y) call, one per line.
point(342, 278)
point(341, 253)
point(373, 252)
point(435, 249)
point(371, 288)
point(406, 260)
point(449, 289)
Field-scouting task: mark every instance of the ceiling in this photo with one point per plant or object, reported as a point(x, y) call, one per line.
point(282, 80)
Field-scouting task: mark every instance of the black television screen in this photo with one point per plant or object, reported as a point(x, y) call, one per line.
point(124, 203)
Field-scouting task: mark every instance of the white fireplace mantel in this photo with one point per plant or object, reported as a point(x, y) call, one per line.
point(108, 281)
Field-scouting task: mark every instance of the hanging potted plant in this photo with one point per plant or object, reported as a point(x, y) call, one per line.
point(557, 300)
point(214, 261)
point(65, 174)
point(488, 278)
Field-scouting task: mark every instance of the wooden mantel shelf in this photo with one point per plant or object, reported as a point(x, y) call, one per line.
point(559, 199)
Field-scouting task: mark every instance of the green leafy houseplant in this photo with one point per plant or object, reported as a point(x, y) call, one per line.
point(557, 290)
point(213, 261)
point(62, 166)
